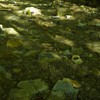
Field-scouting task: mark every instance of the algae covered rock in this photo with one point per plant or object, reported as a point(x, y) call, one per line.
point(27, 89)
point(65, 89)
point(77, 60)
point(46, 57)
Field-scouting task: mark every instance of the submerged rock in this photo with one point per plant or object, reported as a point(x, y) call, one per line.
point(95, 22)
point(8, 31)
point(32, 11)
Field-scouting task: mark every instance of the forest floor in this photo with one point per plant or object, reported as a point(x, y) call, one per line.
point(50, 48)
